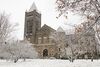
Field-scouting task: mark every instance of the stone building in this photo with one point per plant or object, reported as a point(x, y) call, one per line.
point(46, 46)
point(40, 36)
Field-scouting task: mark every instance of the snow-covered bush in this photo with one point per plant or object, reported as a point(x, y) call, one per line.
point(18, 50)
point(4, 52)
point(27, 50)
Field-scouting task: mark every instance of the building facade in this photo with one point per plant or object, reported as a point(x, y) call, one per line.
point(82, 40)
point(39, 36)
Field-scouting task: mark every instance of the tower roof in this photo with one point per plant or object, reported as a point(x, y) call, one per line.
point(33, 7)
point(60, 29)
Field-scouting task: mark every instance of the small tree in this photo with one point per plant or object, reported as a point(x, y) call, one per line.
point(21, 50)
point(27, 50)
point(60, 39)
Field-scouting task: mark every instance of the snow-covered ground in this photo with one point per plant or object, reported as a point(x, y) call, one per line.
point(50, 63)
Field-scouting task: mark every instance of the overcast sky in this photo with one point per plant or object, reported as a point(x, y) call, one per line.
point(16, 9)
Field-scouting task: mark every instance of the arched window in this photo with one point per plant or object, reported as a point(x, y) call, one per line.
point(45, 53)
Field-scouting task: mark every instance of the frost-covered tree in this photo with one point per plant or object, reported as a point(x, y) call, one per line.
point(18, 50)
point(59, 37)
point(27, 50)
point(10, 49)
point(64, 43)
point(86, 42)
point(83, 7)
point(89, 9)
point(6, 27)
point(22, 50)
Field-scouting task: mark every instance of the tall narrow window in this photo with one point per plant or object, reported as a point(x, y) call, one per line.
point(44, 39)
point(39, 40)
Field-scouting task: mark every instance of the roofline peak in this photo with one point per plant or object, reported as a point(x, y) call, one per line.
point(33, 7)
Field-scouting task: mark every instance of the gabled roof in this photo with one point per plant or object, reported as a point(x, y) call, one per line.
point(60, 29)
point(33, 7)
point(46, 29)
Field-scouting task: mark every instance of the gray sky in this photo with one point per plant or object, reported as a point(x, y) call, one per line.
point(17, 8)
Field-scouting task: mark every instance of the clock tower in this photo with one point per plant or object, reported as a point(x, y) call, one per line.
point(32, 23)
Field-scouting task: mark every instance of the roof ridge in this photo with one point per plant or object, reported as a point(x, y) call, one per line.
point(45, 25)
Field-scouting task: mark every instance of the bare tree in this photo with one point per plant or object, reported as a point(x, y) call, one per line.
point(84, 7)
point(6, 30)
point(60, 40)
point(86, 41)
point(90, 9)
point(6, 27)
point(64, 43)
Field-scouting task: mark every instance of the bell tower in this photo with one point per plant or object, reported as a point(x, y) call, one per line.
point(32, 24)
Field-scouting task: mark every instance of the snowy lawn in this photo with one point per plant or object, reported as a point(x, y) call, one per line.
point(50, 63)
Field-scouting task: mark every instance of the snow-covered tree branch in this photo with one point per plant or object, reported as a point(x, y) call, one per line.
point(90, 9)
point(6, 28)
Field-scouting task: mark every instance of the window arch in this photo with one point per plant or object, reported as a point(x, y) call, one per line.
point(45, 53)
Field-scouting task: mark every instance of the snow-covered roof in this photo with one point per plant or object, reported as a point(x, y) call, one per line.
point(33, 7)
point(60, 30)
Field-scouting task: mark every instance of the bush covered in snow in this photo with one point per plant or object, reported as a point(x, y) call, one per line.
point(17, 50)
